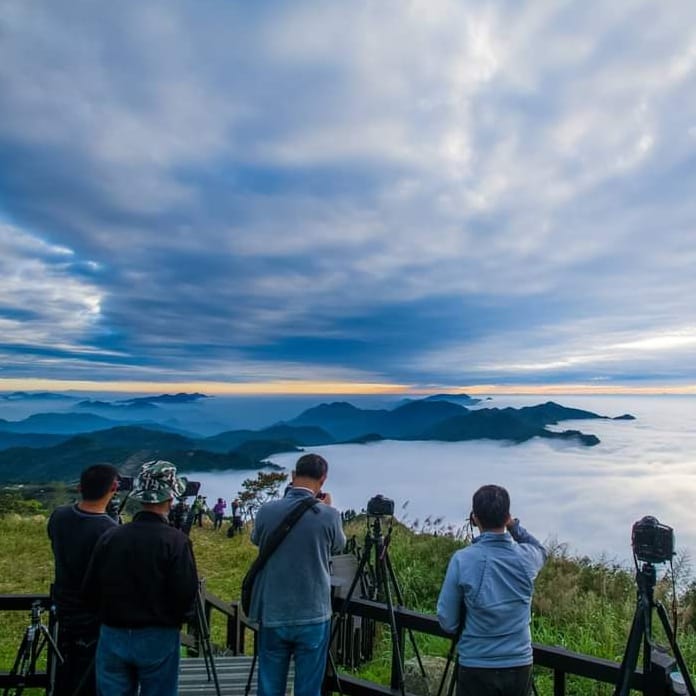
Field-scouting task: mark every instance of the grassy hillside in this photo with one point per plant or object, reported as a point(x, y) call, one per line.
point(582, 605)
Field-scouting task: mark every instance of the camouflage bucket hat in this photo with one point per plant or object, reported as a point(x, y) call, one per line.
point(157, 482)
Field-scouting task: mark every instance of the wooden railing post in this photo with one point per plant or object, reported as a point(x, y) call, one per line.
point(559, 682)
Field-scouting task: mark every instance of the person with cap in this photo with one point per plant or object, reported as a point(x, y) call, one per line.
point(142, 584)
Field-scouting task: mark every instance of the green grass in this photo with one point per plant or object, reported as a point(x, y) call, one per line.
point(582, 605)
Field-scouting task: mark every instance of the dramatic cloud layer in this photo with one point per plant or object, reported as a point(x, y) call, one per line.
point(422, 192)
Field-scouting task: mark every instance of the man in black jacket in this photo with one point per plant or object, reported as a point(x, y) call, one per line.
point(142, 582)
point(74, 531)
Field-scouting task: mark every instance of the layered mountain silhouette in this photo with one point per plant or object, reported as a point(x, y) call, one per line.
point(36, 396)
point(72, 423)
point(127, 447)
point(442, 420)
point(461, 399)
point(57, 446)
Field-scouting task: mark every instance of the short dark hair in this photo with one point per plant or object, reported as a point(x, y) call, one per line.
point(491, 505)
point(96, 481)
point(312, 466)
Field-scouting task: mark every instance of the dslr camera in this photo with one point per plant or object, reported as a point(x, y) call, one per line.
point(192, 488)
point(125, 483)
point(379, 506)
point(652, 542)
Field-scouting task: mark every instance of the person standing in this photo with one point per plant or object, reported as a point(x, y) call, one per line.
point(74, 531)
point(197, 509)
point(237, 522)
point(219, 513)
point(291, 600)
point(142, 583)
point(488, 587)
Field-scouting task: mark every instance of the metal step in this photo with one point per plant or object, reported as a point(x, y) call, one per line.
point(232, 672)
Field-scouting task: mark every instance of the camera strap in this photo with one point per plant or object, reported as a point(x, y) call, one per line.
point(274, 540)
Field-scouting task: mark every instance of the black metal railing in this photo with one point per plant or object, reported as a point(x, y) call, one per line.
point(561, 662)
point(234, 625)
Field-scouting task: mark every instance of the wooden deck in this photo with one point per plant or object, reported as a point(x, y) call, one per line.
point(232, 672)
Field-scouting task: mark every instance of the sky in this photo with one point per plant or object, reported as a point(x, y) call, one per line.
point(330, 196)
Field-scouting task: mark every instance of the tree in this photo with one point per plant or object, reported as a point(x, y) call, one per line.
point(15, 503)
point(257, 491)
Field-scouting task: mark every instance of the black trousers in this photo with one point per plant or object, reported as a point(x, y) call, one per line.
point(76, 675)
point(479, 681)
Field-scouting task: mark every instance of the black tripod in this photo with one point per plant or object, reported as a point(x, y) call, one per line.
point(36, 637)
point(641, 630)
point(203, 633)
point(382, 580)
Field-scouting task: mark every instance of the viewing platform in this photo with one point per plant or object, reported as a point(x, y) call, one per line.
point(233, 664)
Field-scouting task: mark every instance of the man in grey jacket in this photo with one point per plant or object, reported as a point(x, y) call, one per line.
point(291, 601)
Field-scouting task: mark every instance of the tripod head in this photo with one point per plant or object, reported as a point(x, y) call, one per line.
point(36, 611)
point(646, 576)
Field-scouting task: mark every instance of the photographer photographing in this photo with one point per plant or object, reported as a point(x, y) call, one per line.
point(291, 598)
point(486, 597)
point(74, 531)
point(142, 583)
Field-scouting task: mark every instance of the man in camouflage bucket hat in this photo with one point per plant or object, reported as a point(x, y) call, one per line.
point(142, 583)
point(158, 482)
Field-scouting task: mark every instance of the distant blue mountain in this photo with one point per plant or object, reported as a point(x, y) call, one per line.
point(36, 396)
point(346, 422)
point(127, 448)
point(116, 407)
point(460, 399)
point(8, 440)
point(298, 436)
point(441, 420)
point(74, 423)
point(56, 446)
point(57, 423)
point(180, 398)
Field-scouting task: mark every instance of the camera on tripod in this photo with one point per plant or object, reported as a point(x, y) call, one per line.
point(652, 542)
point(192, 488)
point(125, 483)
point(379, 506)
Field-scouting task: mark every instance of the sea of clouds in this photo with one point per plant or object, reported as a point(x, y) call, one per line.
point(585, 497)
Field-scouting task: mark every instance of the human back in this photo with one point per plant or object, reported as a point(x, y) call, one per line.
point(295, 583)
point(497, 579)
point(291, 597)
point(486, 600)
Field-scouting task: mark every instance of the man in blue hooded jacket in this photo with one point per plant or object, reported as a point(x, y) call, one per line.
point(488, 588)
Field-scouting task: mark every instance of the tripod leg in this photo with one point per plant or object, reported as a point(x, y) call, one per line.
point(356, 578)
point(664, 619)
point(630, 659)
point(206, 647)
point(18, 665)
point(397, 657)
point(449, 663)
point(400, 600)
point(247, 689)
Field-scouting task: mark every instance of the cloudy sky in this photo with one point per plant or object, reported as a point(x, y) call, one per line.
point(404, 193)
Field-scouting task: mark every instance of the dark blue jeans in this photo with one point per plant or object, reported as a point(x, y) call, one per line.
point(128, 657)
point(308, 643)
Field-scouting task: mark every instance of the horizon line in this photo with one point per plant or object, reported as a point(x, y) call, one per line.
point(317, 388)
